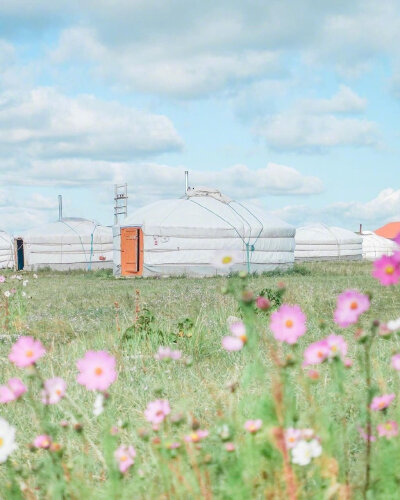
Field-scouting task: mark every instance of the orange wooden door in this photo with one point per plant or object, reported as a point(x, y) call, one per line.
point(131, 251)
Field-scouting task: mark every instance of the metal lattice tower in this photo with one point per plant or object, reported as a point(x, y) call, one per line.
point(120, 201)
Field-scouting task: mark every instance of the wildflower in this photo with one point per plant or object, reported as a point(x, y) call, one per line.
point(25, 282)
point(7, 293)
point(54, 390)
point(304, 451)
point(230, 343)
point(387, 270)
point(236, 341)
point(156, 411)
point(225, 259)
point(288, 323)
point(97, 370)
point(307, 433)
point(230, 447)
point(292, 436)
point(394, 325)
point(7, 440)
point(2, 278)
point(125, 457)
point(64, 423)
point(35, 276)
point(98, 406)
point(263, 303)
point(365, 436)
point(18, 277)
point(348, 363)
point(42, 441)
point(55, 447)
point(167, 353)
point(350, 305)
point(26, 351)
point(13, 390)
point(173, 446)
point(337, 346)
point(316, 353)
point(253, 426)
point(381, 402)
point(313, 374)
point(196, 436)
point(396, 362)
point(388, 429)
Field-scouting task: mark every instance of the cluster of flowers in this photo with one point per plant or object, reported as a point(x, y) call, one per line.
point(13, 291)
point(303, 444)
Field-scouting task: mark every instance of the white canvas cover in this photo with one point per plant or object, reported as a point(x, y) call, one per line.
point(181, 236)
point(375, 246)
point(71, 243)
point(6, 251)
point(320, 242)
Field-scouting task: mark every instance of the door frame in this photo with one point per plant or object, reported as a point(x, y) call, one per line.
point(139, 251)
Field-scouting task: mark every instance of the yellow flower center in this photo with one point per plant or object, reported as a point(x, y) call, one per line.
point(124, 458)
point(98, 371)
point(289, 323)
point(194, 437)
point(243, 338)
point(291, 440)
point(29, 354)
point(381, 404)
point(58, 392)
point(227, 259)
point(1, 442)
point(389, 270)
point(388, 426)
point(354, 305)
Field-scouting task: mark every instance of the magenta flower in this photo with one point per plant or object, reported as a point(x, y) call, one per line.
point(316, 353)
point(263, 303)
point(42, 441)
point(125, 457)
point(288, 323)
point(13, 390)
point(253, 426)
point(196, 436)
point(388, 429)
point(26, 351)
point(97, 370)
point(350, 305)
point(396, 362)
point(156, 411)
point(387, 270)
point(381, 402)
point(397, 239)
point(292, 436)
point(54, 390)
point(337, 346)
point(167, 353)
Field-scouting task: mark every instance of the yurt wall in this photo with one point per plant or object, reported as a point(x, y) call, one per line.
point(375, 246)
point(6, 251)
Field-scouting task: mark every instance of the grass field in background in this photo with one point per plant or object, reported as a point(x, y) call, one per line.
point(74, 312)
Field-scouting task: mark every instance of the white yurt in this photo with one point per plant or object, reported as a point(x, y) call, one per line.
point(183, 236)
point(6, 250)
point(374, 246)
point(320, 242)
point(69, 243)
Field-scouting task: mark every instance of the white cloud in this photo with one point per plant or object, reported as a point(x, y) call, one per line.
point(344, 101)
point(44, 123)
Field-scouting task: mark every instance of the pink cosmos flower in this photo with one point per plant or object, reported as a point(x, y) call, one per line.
point(262, 303)
point(396, 362)
point(42, 441)
point(238, 329)
point(125, 457)
point(236, 341)
point(13, 390)
point(2, 278)
point(230, 343)
point(387, 270)
point(291, 437)
point(350, 305)
point(54, 390)
point(167, 353)
point(397, 239)
point(196, 436)
point(288, 323)
point(156, 411)
point(230, 447)
point(381, 402)
point(253, 426)
point(97, 370)
point(365, 436)
point(348, 363)
point(173, 446)
point(388, 429)
point(26, 351)
point(337, 346)
point(316, 353)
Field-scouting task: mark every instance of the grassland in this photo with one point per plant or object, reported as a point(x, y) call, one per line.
point(74, 312)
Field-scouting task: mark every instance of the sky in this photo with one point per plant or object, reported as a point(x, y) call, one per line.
point(294, 106)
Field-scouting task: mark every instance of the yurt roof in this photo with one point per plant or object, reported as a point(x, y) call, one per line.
point(206, 212)
point(322, 234)
point(73, 227)
point(371, 239)
point(4, 237)
point(390, 230)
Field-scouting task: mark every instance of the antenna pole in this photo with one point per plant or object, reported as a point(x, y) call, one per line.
point(186, 181)
point(60, 214)
point(120, 201)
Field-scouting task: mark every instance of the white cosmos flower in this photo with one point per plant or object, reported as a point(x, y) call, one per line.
point(7, 440)
point(305, 451)
point(98, 406)
point(7, 293)
point(394, 325)
point(225, 259)
point(35, 276)
point(25, 282)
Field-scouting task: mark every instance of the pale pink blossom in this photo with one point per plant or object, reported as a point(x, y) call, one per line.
point(53, 391)
point(230, 447)
point(166, 353)
point(42, 441)
point(26, 351)
point(13, 390)
point(316, 353)
point(292, 436)
point(97, 370)
point(381, 402)
point(2, 278)
point(288, 323)
point(387, 270)
point(125, 457)
point(157, 410)
point(337, 346)
point(196, 436)
point(388, 429)
point(365, 436)
point(253, 426)
point(231, 343)
point(396, 362)
point(349, 307)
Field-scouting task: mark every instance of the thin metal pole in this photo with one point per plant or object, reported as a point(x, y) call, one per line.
point(60, 214)
point(186, 181)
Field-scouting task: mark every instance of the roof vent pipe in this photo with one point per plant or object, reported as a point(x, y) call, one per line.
point(60, 214)
point(186, 181)
point(361, 229)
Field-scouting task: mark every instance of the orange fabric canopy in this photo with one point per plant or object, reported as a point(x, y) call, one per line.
point(390, 230)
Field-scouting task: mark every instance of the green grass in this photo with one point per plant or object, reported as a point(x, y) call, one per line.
point(74, 312)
